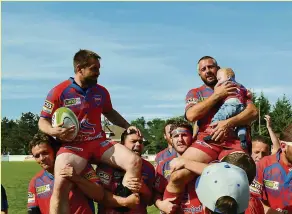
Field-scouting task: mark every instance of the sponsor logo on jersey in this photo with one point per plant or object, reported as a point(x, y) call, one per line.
point(104, 177)
point(118, 174)
point(256, 187)
point(91, 175)
point(203, 144)
point(43, 189)
point(191, 100)
point(274, 185)
point(166, 173)
point(48, 107)
point(105, 143)
point(30, 197)
point(72, 101)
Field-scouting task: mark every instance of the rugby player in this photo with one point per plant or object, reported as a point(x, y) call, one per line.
point(111, 179)
point(88, 100)
point(169, 151)
point(201, 105)
point(86, 187)
point(273, 182)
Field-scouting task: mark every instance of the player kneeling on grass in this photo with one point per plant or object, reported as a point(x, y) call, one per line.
point(111, 179)
point(86, 185)
point(88, 100)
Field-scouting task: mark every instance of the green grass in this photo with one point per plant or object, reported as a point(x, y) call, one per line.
point(15, 178)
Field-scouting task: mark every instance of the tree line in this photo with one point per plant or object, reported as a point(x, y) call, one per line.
point(16, 134)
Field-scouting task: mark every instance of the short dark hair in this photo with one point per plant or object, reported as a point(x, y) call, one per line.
point(243, 161)
point(126, 133)
point(208, 57)
point(226, 205)
point(181, 124)
point(42, 138)
point(260, 139)
point(286, 135)
point(82, 58)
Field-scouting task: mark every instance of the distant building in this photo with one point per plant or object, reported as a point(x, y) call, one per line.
point(113, 132)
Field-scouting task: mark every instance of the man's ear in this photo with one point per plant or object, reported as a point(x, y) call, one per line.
point(78, 68)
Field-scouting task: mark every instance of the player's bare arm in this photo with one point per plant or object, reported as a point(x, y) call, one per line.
point(112, 201)
point(268, 209)
point(164, 205)
point(274, 138)
point(114, 117)
point(246, 117)
point(183, 163)
point(200, 109)
point(90, 189)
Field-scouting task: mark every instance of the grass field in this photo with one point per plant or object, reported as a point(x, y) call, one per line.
point(15, 178)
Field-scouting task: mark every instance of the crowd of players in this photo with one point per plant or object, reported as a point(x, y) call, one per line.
point(211, 164)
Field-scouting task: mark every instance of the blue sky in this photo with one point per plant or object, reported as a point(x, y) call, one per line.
point(149, 50)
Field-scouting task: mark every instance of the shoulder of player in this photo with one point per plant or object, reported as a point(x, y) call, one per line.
point(38, 175)
point(146, 165)
point(98, 86)
point(61, 87)
point(267, 161)
point(161, 152)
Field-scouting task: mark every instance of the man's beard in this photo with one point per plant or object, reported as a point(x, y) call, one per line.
point(90, 82)
point(210, 84)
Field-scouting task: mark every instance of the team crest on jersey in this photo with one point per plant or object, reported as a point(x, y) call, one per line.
point(97, 99)
point(274, 185)
point(48, 107)
point(104, 177)
point(43, 189)
point(30, 197)
point(72, 101)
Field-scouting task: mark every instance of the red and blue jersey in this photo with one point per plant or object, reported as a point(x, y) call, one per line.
point(163, 155)
point(190, 202)
point(197, 95)
point(87, 104)
point(41, 188)
point(273, 183)
point(111, 178)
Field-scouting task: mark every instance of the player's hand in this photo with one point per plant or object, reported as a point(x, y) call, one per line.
point(249, 94)
point(177, 163)
point(224, 90)
point(134, 128)
point(132, 200)
point(62, 133)
point(69, 172)
point(133, 184)
point(167, 206)
point(268, 121)
point(220, 130)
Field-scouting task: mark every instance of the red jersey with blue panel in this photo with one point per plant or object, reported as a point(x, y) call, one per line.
point(273, 183)
point(41, 188)
point(164, 154)
point(88, 105)
point(190, 202)
point(216, 151)
point(111, 179)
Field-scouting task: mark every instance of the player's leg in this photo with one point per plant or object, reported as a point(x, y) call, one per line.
point(59, 203)
point(118, 155)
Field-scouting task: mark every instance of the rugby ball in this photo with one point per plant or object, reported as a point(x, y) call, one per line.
point(68, 118)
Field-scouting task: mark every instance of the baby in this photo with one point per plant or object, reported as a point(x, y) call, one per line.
point(233, 104)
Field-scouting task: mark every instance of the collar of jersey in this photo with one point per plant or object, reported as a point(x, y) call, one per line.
point(77, 87)
point(49, 175)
